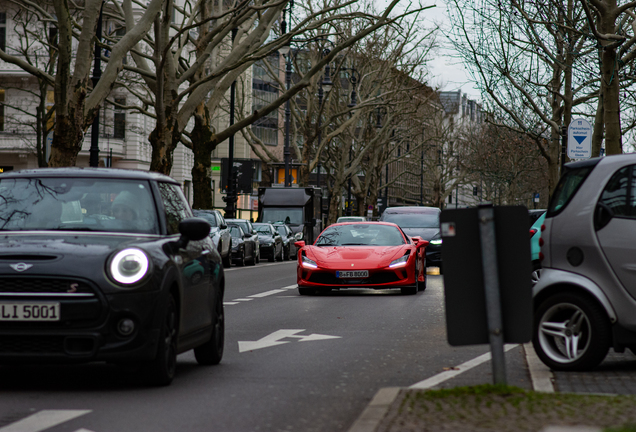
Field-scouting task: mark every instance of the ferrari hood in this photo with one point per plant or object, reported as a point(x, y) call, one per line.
point(359, 256)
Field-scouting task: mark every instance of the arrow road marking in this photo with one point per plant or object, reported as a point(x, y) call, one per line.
point(275, 339)
point(43, 420)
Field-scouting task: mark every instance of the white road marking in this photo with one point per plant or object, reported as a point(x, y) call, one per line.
point(229, 303)
point(83, 430)
point(446, 375)
point(268, 293)
point(540, 374)
point(242, 299)
point(275, 339)
point(42, 420)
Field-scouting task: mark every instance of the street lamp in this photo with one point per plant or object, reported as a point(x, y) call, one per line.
point(324, 85)
point(231, 196)
point(354, 78)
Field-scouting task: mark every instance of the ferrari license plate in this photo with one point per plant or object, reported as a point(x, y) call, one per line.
point(28, 311)
point(352, 274)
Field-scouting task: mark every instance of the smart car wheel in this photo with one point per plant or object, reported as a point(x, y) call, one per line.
point(571, 332)
point(161, 370)
point(211, 352)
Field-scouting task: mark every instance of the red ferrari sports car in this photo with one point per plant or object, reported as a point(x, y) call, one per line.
point(362, 255)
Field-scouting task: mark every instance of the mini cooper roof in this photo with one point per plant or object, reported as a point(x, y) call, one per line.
point(80, 172)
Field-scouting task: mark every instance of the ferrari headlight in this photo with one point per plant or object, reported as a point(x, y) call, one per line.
point(399, 262)
point(436, 242)
point(129, 266)
point(307, 263)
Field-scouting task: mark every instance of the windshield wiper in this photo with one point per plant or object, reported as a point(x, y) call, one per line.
point(353, 244)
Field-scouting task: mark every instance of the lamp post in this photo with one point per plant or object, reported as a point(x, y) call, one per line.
point(232, 193)
point(354, 77)
point(93, 159)
point(327, 85)
point(380, 111)
point(286, 52)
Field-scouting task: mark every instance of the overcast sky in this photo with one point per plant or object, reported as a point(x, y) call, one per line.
point(447, 72)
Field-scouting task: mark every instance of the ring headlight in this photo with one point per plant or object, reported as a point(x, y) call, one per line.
point(129, 266)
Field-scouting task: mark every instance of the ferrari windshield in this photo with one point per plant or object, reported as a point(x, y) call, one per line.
point(370, 234)
point(77, 204)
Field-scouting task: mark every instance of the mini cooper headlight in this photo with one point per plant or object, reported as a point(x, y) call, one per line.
point(307, 263)
point(399, 262)
point(129, 266)
point(436, 242)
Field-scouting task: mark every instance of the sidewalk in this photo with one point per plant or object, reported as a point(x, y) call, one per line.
point(615, 376)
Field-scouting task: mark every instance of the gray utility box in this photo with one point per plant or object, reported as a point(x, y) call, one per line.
point(464, 290)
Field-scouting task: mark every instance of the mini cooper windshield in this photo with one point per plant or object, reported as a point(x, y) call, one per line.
point(77, 204)
point(361, 235)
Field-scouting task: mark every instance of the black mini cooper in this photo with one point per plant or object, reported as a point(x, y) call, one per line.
point(106, 265)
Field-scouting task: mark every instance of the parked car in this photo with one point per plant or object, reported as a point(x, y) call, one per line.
point(289, 248)
point(362, 255)
point(422, 222)
point(248, 229)
point(535, 236)
point(106, 265)
point(585, 301)
point(219, 233)
point(351, 219)
point(534, 214)
point(243, 249)
point(271, 242)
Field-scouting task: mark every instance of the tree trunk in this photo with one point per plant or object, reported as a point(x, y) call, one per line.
point(613, 141)
point(163, 140)
point(203, 143)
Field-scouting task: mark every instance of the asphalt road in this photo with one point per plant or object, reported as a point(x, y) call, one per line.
point(292, 363)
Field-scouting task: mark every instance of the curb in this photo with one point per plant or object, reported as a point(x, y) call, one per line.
point(376, 410)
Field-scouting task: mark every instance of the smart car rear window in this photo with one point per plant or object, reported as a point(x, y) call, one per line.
point(567, 187)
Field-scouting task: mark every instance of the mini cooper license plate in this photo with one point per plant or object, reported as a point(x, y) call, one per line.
point(352, 274)
point(29, 311)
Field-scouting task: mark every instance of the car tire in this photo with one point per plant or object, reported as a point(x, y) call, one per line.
point(567, 319)
point(421, 286)
point(241, 261)
point(227, 259)
point(409, 290)
point(287, 255)
point(272, 257)
point(306, 291)
point(161, 370)
point(253, 260)
point(258, 258)
point(211, 352)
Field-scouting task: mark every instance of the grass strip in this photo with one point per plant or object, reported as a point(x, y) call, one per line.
point(497, 408)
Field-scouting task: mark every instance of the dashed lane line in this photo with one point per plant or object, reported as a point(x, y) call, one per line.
point(259, 295)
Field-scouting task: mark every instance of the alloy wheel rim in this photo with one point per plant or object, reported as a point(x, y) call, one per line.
point(564, 333)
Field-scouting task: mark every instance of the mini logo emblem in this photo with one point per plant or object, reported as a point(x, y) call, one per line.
point(20, 266)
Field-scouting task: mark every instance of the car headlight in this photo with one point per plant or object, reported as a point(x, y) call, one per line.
point(298, 235)
point(307, 263)
point(436, 242)
point(399, 262)
point(129, 266)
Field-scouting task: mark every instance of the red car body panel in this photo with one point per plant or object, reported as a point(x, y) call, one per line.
point(374, 259)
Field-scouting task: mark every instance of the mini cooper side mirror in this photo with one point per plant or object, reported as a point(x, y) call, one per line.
point(192, 229)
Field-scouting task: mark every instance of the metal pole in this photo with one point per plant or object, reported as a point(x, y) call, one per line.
point(230, 208)
point(564, 144)
point(93, 158)
point(386, 187)
point(422, 179)
point(286, 152)
point(320, 95)
point(486, 218)
point(349, 192)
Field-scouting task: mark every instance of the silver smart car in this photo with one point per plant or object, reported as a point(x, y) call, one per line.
point(585, 301)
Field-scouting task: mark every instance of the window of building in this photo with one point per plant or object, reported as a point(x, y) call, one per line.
point(3, 31)
point(119, 127)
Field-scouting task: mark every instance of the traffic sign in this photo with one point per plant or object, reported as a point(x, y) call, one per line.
point(580, 139)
